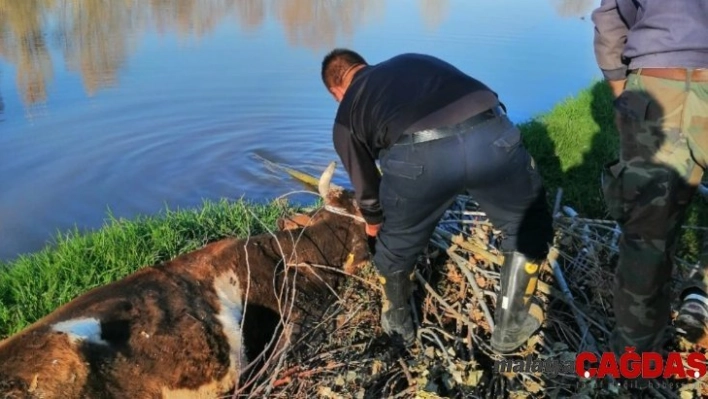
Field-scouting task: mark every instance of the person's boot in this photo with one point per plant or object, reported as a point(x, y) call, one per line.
point(396, 316)
point(692, 320)
point(514, 325)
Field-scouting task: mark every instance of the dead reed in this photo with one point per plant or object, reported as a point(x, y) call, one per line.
point(346, 355)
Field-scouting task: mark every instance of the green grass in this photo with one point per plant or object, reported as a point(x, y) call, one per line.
point(570, 144)
point(34, 285)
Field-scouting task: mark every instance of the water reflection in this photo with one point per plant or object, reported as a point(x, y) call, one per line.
point(96, 37)
point(199, 86)
point(251, 14)
point(434, 12)
point(185, 17)
point(23, 44)
point(573, 8)
point(2, 103)
point(317, 24)
point(95, 40)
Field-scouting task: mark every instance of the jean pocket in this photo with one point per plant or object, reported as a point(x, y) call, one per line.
point(403, 169)
point(613, 189)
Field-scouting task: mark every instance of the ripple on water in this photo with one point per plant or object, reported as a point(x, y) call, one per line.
point(184, 121)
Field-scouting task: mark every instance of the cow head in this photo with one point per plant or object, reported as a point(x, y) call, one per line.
point(340, 212)
point(339, 203)
point(336, 199)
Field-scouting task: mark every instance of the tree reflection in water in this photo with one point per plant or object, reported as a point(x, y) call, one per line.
point(96, 37)
point(434, 12)
point(573, 8)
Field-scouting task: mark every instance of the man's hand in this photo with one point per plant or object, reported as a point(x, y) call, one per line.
point(372, 230)
point(617, 86)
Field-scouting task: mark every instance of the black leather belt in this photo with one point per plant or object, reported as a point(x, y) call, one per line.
point(441, 132)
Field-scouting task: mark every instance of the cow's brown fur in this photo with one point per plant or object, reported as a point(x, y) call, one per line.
point(294, 222)
point(160, 323)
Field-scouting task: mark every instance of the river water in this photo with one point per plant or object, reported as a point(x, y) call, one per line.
point(134, 105)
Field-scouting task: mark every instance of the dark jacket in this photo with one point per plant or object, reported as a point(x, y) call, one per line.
point(632, 34)
point(406, 93)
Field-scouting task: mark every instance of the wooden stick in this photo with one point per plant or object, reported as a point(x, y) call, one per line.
point(461, 263)
point(473, 247)
point(442, 301)
point(409, 377)
point(585, 329)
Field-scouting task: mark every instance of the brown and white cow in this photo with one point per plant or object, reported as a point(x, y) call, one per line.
point(188, 327)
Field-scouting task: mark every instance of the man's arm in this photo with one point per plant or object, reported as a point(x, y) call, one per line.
point(610, 38)
point(363, 173)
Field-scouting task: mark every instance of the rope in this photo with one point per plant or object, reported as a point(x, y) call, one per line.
point(340, 211)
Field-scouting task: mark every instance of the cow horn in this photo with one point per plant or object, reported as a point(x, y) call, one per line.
point(326, 179)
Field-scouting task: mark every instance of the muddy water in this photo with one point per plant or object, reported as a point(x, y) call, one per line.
point(134, 105)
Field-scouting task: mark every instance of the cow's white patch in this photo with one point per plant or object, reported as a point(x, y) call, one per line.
point(230, 315)
point(84, 329)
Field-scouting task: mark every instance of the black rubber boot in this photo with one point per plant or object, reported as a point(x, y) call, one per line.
point(692, 320)
point(396, 317)
point(513, 323)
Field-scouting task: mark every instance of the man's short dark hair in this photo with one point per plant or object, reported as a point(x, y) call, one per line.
point(336, 63)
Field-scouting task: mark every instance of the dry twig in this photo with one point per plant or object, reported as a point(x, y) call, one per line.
point(350, 357)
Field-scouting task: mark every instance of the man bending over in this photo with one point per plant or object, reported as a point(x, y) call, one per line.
point(438, 133)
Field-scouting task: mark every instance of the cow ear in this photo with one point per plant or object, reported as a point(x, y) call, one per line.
point(296, 221)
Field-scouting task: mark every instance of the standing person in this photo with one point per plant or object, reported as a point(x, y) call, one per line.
point(438, 133)
point(654, 53)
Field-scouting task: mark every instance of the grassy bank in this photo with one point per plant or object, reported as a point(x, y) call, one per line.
point(570, 143)
point(34, 285)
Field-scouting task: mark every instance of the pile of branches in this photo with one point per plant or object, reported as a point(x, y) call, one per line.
point(347, 355)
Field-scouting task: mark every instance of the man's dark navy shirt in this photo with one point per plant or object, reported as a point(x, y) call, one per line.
point(402, 95)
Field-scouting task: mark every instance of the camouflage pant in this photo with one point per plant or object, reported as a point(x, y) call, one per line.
point(663, 126)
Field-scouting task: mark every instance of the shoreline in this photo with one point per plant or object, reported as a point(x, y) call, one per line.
point(569, 143)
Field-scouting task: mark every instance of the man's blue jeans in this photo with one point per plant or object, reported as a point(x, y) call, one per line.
point(488, 162)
